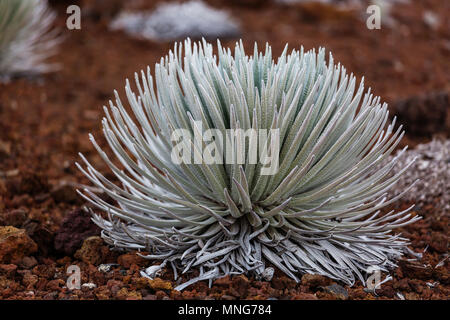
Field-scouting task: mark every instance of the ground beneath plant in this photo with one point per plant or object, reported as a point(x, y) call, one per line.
point(45, 122)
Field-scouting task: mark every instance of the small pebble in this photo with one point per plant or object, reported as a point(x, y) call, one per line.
point(105, 267)
point(267, 274)
point(89, 286)
point(337, 291)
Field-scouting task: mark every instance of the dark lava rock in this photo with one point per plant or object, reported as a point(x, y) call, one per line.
point(65, 193)
point(337, 291)
point(425, 115)
point(14, 218)
point(41, 235)
point(75, 228)
point(28, 182)
point(415, 269)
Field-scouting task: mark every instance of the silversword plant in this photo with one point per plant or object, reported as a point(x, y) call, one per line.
point(26, 37)
point(320, 212)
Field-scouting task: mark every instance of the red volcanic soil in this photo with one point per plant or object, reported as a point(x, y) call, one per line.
point(45, 123)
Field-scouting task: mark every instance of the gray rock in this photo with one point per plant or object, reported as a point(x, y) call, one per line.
point(267, 274)
point(431, 169)
point(336, 290)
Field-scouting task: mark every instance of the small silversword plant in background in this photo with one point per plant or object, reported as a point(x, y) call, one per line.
point(174, 21)
point(319, 213)
point(26, 37)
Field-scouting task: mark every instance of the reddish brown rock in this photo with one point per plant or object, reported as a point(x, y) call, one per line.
point(91, 251)
point(28, 262)
point(358, 293)
point(439, 242)
point(128, 259)
point(283, 282)
point(386, 290)
point(103, 294)
point(55, 285)
point(141, 283)
point(29, 280)
point(304, 296)
point(161, 295)
point(124, 294)
point(159, 284)
point(44, 271)
point(442, 274)
point(416, 285)
point(114, 286)
point(14, 218)
point(15, 244)
point(64, 261)
point(240, 285)
point(402, 285)
point(8, 270)
point(411, 296)
point(315, 280)
point(7, 285)
point(224, 281)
